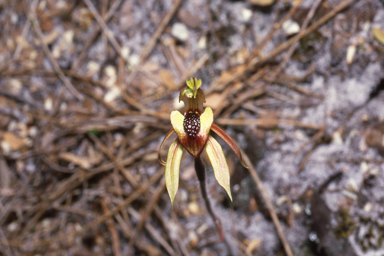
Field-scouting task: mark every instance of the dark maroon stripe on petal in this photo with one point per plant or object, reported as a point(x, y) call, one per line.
point(230, 143)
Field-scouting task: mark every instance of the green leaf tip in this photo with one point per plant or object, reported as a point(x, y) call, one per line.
point(194, 84)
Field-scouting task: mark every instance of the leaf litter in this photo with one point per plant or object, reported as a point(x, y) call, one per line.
point(86, 89)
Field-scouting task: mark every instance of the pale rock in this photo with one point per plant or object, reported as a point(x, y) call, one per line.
point(68, 36)
point(112, 94)
point(63, 107)
point(15, 86)
point(56, 52)
point(14, 18)
point(118, 139)
point(180, 31)
point(93, 67)
point(200, 230)
point(33, 131)
point(336, 138)
point(349, 194)
point(193, 238)
point(42, 5)
point(300, 135)
point(33, 55)
point(374, 171)
point(12, 125)
point(48, 104)
point(139, 126)
point(281, 200)
point(193, 207)
point(125, 51)
point(351, 50)
point(368, 207)
point(10, 44)
point(246, 14)
point(352, 185)
point(46, 223)
point(364, 167)
point(291, 27)
point(5, 147)
point(134, 60)
point(13, 226)
point(110, 71)
point(202, 43)
point(296, 208)
point(183, 195)
point(61, 5)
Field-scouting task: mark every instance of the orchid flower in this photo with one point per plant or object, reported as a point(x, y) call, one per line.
point(192, 127)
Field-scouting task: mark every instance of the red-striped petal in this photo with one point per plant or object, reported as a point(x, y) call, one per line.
point(230, 143)
point(219, 164)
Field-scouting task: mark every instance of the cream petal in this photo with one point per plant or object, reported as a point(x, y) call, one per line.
point(219, 164)
point(172, 169)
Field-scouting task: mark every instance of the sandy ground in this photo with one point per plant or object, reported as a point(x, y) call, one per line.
point(86, 90)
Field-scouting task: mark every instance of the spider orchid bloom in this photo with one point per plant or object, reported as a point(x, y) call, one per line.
point(192, 128)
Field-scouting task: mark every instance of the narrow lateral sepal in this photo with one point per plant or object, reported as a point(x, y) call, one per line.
point(172, 169)
point(162, 144)
point(219, 164)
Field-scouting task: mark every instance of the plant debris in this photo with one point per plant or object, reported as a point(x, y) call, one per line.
point(86, 92)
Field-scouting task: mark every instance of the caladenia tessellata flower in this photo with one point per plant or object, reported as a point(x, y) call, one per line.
point(192, 127)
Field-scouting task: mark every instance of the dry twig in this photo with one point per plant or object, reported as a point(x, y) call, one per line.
point(292, 48)
point(150, 207)
point(269, 204)
point(257, 61)
point(94, 35)
point(267, 123)
point(112, 230)
point(104, 27)
point(149, 47)
point(56, 67)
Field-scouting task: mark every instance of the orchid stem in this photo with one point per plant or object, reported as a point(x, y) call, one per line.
point(200, 172)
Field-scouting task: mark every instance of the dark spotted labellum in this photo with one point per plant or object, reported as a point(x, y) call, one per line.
point(192, 124)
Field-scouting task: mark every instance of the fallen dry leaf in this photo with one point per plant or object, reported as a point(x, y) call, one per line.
point(262, 2)
point(253, 245)
point(227, 75)
point(83, 162)
point(215, 99)
point(191, 20)
point(15, 142)
point(167, 79)
point(378, 34)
